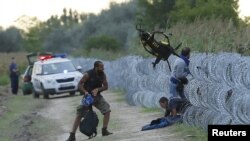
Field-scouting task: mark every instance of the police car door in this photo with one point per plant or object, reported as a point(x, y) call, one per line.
point(36, 76)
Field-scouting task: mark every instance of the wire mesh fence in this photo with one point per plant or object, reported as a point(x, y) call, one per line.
point(219, 88)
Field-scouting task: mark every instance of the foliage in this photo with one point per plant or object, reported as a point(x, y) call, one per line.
point(103, 42)
point(155, 12)
point(207, 35)
point(171, 11)
point(151, 110)
point(189, 133)
point(98, 53)
point(20, 118)
point(72, 31)
point(57, 40)
point(77, 33)
point(11, 40)
point(204, 9)
point(54, 34)
point(116, 22)
point(6, 60)
point(4, 80)
point(33, 39)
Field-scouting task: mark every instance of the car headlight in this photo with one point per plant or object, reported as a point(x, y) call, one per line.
point(49, 81)
point(78, 79)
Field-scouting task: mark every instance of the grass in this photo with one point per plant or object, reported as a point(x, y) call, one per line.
point(151, 110)
point(4, 80)
point(214, 35)
point(19, 108)
point(114, 124)
point(189, 133)
point(120, 95)
point(100, 54)
point(44, 127)
point(5, 58)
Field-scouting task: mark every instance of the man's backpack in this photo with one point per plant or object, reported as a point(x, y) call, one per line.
point(88, 125)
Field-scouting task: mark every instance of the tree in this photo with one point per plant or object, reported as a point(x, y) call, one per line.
point(163, 13)
point(58, 40)
point(103, 42)
point(156, 12)
point(25, 22)
point(118, 22)
point(11, 40)
point(204, 9)
point(33, 39)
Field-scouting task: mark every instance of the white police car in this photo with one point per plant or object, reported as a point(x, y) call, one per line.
point(54, 75)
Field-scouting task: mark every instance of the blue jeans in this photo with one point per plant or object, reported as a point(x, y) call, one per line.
point(172, 89)
point(14, 84)
point(173, 92)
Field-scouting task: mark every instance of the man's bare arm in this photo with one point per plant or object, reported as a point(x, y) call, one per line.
point(104, 86)
point(81, 84)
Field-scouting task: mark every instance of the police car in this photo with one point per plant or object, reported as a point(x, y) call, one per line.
point(54, 74)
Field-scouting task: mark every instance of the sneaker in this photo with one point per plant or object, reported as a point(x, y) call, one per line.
point(105, 132)
point(71, 137)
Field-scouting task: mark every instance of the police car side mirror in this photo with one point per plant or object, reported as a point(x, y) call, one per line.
point(79, 68)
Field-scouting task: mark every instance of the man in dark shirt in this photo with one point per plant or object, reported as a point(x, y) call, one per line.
point(93, 82)
point(173, 106)
point(14, 76)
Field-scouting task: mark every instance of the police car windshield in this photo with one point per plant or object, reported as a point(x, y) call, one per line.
point(62, 67)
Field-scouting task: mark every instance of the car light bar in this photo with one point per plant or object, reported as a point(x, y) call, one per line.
point(46, 57)
point(62, 55)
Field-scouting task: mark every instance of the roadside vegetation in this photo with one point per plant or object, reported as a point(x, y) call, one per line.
point(205, 26)
point(5, 59)
point(190, 133)
point(4, 80)
point(21, 121)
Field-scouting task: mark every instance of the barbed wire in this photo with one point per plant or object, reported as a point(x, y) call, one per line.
point(219, 89)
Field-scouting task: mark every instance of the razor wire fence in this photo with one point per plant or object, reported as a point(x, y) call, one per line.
point(219, 88)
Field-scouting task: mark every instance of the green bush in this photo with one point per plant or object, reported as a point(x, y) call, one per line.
point(4, 80)
point(99, 53)
point(189, 132)
point(103, 42)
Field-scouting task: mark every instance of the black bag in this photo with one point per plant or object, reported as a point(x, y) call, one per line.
point(156, 121)
point(88, 125)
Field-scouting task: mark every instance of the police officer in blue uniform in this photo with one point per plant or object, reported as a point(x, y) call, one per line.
point(14, 76)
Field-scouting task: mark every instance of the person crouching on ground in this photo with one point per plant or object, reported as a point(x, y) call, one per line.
point(173, 107)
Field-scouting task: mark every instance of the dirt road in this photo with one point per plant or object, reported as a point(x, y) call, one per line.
point(126, 121)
